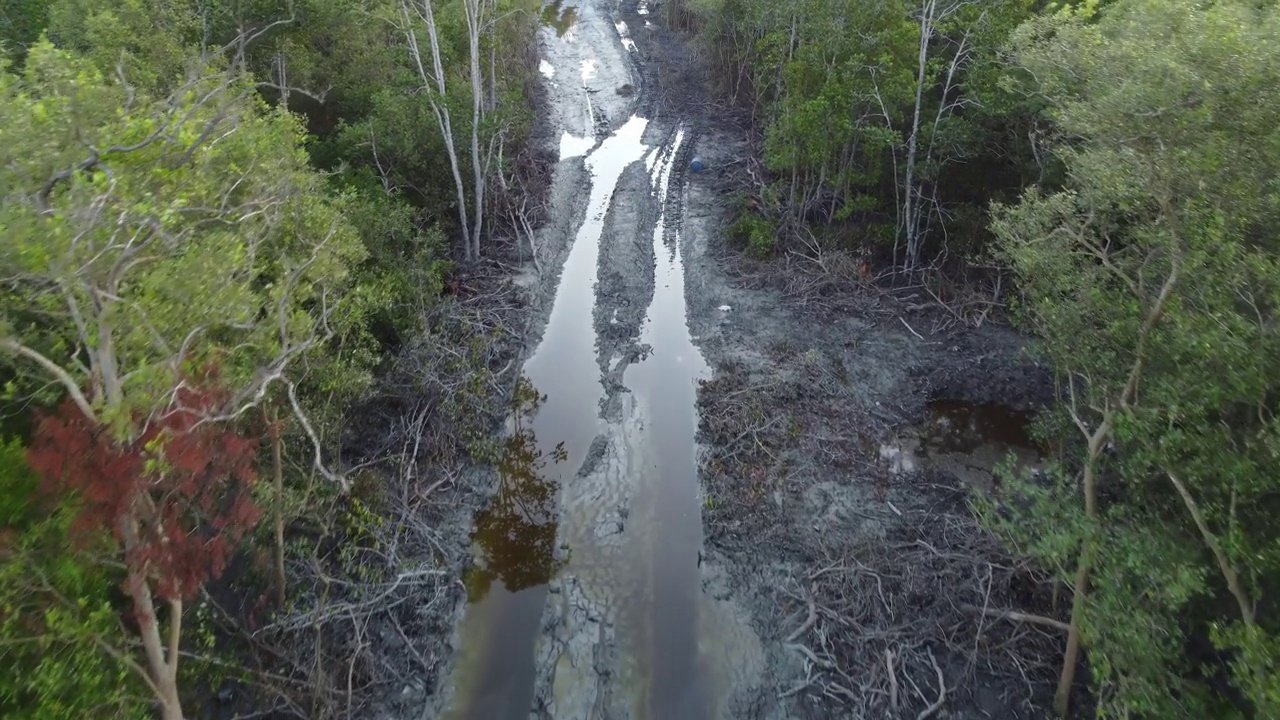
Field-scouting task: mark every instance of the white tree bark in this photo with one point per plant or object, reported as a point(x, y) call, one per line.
point(910, 207)
point(162, 664)
point(914, 212)
point(439, 102)
point(474, 9)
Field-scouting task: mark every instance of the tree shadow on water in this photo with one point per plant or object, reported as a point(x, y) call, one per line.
point(561, 19)
point(516, 532)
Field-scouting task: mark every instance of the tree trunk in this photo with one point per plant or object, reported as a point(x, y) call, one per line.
point(440, 107)
point(108, 369)
point(473, 10)
point(909, 209)
point(277, 465)
point(1071, 657)
point(162, 672)
point(493, 75)
point(1248, 613)
point(1097, 440)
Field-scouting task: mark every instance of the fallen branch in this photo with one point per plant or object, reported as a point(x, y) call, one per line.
point(913, 330)
point(942, 691)
point(808, 654)
point(893, 681)
point(1015, 616)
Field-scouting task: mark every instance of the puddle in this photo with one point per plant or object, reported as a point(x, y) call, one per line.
point(564, 366)
point(966, 439)
point(665, 383)
point(514, 548)
point(516, 532)
point(955, 426)
point(625, 35)
point(572, 146)
point(561, 19)
point(589, 68)
point(516, 535)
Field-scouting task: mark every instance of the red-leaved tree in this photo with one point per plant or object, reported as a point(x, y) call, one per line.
point(175, 499)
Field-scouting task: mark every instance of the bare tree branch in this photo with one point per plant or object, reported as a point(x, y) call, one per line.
point(61, 375)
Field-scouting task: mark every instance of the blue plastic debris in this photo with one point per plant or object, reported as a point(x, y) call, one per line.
point(696, 165)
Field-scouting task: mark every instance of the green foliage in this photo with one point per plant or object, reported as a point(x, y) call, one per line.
point(54, 607)
point(180, 124)
point(151, 236)
point(148, 42)
point(756, 231)
point(204, 293)
point(341, 63)
point(832, 86)
point(21, 22)
point(1256, 666)
point(1151, 279)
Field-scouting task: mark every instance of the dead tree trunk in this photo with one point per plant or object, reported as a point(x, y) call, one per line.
point(439, 104)
point(914, 211)
point(910, 206)
point(473, 10)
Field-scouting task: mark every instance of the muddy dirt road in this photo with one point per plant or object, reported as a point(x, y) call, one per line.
point(610, 619)
point(718, 510)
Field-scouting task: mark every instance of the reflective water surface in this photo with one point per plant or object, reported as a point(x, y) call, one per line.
point(665, 381)
point(561, 19)
point(968, 440)
point(516, 534)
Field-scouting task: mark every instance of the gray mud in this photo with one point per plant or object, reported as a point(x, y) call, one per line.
point(844, 555)
point(822, 578)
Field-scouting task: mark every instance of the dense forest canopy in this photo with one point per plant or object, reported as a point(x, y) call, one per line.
point(231, 225)
point(226, 228)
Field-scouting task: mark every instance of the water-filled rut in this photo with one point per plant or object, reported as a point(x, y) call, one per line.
point(586, 600)
point(664, 383)
point(497, 664)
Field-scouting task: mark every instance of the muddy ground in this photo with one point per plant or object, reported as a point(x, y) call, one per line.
point(866, 585)
point(848, 563)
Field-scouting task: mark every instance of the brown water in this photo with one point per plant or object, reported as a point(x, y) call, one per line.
point(956, 426)
point(968, 440)
point(515, 541)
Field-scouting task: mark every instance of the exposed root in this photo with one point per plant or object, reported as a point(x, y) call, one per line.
point(363, 623)
point(942, 691)
point(890, 600)
point(808, 623)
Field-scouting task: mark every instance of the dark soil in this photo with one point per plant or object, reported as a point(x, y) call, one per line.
point(867, 588)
